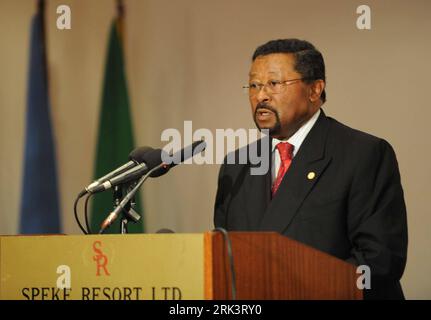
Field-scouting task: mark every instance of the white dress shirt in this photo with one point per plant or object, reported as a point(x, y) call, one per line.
point(295, 140)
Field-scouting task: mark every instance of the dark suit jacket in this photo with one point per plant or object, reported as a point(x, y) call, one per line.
point(353, 209)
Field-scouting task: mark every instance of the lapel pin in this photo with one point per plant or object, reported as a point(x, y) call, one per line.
point(311, 175)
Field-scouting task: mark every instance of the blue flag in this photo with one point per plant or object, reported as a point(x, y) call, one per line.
point(39, 199)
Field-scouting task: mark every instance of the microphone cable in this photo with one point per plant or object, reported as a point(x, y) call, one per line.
point(87, 222)
point(75, 210)
point(230, 256)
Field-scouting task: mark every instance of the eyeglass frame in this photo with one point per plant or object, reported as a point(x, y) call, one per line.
point(277, 82)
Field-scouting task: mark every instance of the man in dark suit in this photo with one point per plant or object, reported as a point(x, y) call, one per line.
point(329, 186)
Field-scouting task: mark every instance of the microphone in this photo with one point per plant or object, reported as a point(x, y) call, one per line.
point(156, 169)
point(171, 160)
point(136, 157)
point(150, 160)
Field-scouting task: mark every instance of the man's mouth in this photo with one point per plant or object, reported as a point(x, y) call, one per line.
point(263, 114)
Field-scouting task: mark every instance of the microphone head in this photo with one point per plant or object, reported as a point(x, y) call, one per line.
point(171, 160)
point(189, 152)
point(152, 158)
point(138, 154)
point(161, 171)
point(184, 154)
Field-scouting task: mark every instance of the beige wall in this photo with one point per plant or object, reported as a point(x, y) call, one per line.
point(187, 60)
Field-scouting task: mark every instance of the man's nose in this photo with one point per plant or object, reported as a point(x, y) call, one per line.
point(263, 95)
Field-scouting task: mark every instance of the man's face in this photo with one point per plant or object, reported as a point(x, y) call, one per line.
point(285, 112)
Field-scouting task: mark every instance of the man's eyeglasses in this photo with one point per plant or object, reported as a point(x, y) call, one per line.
point(273, 86)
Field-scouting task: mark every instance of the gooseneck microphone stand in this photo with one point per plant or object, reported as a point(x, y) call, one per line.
point(128, 212)
point(125, 204)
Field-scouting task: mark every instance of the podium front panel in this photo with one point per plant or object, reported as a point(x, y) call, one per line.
point(107, 267)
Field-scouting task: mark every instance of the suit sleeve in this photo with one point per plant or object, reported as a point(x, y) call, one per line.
point(377, 221)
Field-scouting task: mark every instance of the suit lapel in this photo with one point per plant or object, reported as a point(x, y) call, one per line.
point(304, 172)
point(257, 191)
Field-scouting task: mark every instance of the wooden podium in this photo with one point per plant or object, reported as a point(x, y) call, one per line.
point(271, 266)
point(169, 266)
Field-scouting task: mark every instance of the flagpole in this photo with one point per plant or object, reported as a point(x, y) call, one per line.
point(41, 12)
point(115, 137)
point(41, 5)
point(120, 21)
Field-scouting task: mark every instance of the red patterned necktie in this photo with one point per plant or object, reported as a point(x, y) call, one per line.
point(285, 150)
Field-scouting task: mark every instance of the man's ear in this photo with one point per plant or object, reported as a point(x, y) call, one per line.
point(316, 90)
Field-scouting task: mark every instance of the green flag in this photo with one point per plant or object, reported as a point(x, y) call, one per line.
point(115, 138)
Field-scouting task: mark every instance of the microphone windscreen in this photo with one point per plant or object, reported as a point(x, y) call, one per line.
point(153, 158)
point(189, 151)
point(161, 171)
point(138, 154)
point(171, 160)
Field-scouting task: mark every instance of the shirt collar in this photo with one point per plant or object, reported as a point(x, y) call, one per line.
point(299, 136)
